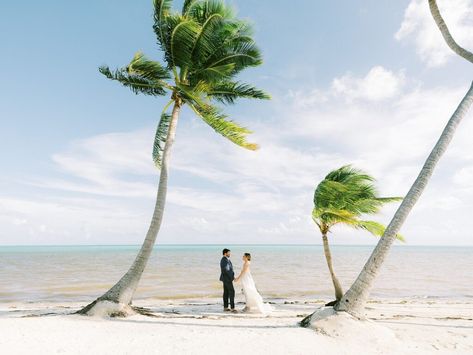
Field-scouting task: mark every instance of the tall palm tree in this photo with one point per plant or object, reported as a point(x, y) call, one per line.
point(343, 197)
point(355, 298)
point(205, 46)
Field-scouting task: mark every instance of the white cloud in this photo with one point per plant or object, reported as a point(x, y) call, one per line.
point(65, 220)
point(106, 164)
point(419, 27)
point(378, 84)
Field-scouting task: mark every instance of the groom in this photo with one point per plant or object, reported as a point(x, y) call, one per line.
point(227, 276)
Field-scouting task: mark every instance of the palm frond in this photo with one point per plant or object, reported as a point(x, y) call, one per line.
point(160, 139)
point(164, 29)
point(228, 129)
point(200, 11)
point(331, 217)
point(389, 199)
point(347, 174)
point(182, 39)
point(373, 227)
point(366, 205)
point(146, 68)
point(207, 40)
point(161, 10)
point(372, 205)
point(137, 84)
point(193, 95)
point(377, 229)
point(234, 44)
point(212, 74)
point(240, 53)
point(228, 92)
point(186, 6)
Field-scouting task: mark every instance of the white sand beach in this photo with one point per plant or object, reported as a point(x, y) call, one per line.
point(199, 327)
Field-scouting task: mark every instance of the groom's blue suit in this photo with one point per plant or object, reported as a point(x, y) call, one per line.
point(227, 276)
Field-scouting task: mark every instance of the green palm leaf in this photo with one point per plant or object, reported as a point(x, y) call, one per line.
point(137, 84)
point(182, 42)
point(228, 129)
point(200, 11)
point(212, 74)
point(161, 11)
point(164, 29)
point(187, 4)
point(206, 41)
point(146, 68)
point(377, 229)
point(228, 92)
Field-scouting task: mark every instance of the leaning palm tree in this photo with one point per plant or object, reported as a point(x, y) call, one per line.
point(205, 46)
point(344, 197)
point(355, 298)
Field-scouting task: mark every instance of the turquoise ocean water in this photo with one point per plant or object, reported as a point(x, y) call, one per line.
point(79, 273)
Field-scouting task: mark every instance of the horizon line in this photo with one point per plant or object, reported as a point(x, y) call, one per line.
point(228, 244)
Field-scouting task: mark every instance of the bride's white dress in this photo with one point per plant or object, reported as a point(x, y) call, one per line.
point(254, 301)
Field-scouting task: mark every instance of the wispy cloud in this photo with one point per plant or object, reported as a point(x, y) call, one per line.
point(379, 84)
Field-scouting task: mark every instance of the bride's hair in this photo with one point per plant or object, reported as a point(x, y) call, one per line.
point(248, 256)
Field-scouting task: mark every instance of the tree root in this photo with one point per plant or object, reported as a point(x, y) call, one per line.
point(332, 303)
point(85, 311)
point(107, 308)
point(305, 323)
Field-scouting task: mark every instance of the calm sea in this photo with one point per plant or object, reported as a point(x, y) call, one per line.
point(79, 273)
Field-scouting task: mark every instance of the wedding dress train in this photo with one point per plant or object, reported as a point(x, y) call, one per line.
point(254, 301)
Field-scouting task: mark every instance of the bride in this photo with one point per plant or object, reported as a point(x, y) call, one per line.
point(254, 301)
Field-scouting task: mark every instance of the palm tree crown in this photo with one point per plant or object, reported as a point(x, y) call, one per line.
point(344, 196)
point(204, 48)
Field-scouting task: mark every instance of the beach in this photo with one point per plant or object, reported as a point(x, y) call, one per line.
point(417, 304)
point(200, 327)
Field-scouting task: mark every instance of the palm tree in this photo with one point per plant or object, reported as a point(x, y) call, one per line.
point(355, 298)
point(343, 198)
point(205, 46)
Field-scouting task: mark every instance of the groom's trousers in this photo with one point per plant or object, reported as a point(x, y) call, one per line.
point(228, 293)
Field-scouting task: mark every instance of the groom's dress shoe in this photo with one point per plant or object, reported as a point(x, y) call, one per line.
point(234, 311)
point(226, 309)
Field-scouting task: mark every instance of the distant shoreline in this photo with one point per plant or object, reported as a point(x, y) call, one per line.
point(230, 245)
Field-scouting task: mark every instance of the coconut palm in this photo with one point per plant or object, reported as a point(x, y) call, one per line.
point(205, 46)
point(355, 298)
point(344, 197)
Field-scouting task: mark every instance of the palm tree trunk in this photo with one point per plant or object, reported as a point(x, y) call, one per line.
point(328, 257)
point(355, 298)
point(122, 292)
point(434, 10)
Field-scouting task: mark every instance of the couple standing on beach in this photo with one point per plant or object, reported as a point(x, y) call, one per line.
point(254, 301)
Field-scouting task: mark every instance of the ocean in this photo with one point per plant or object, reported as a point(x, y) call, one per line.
point(80, 273)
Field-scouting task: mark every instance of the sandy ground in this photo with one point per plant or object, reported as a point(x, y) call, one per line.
point(186, 327)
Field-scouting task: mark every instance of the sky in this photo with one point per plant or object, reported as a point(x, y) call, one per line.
point(368, 83)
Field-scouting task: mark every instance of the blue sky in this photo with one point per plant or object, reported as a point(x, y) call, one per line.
point(367, 82)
